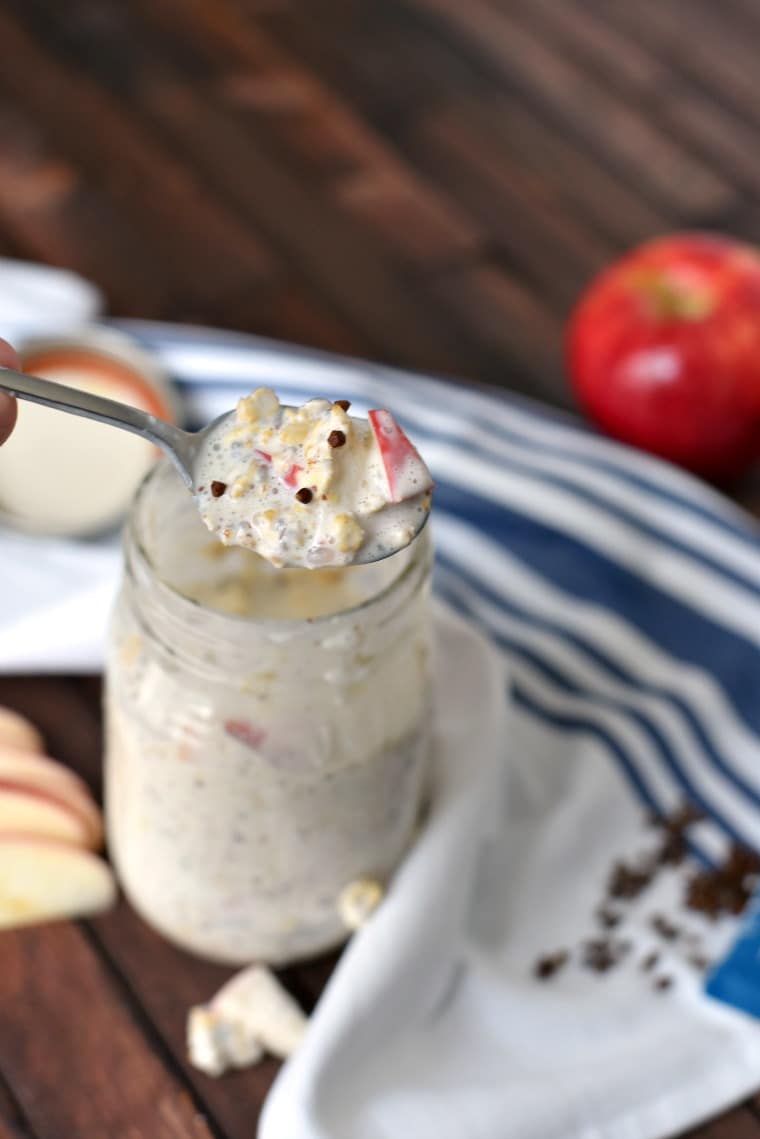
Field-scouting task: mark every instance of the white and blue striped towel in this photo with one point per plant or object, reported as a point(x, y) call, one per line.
point(624, 597)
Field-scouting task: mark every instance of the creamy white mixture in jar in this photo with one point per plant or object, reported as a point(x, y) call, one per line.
point(311, 486)
point(267, 732)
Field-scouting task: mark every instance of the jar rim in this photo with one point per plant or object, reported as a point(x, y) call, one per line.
point(419, 551)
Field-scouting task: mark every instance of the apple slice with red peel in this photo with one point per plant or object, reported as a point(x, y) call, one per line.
point(27, 811)
point(18, 732)
point(42, 880)
point(55, 780)
point(404, 468)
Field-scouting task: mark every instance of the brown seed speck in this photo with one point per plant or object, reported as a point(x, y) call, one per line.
point(679, 820)
point(547, 966)
point(663, 983)
point(627, 882)
point(649, 962)
point(218, 488)
point(743, 862)
point(726, 888)
point(665, 928)
point(336, 439)
point(608, 918)
point(600, 954)
point(344, 403)
point(673, 850)
point(304, 495)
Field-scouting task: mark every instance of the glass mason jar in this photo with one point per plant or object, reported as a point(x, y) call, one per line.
point(267, 732)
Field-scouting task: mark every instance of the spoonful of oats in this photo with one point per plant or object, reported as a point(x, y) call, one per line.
point(305, 486)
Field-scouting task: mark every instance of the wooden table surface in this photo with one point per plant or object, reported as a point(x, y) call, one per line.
point(428, 182)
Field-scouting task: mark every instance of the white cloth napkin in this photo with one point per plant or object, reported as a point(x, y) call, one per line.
point(434, 1025)
point(55, 598)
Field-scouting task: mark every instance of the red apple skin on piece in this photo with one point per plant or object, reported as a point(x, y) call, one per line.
point(18, 732)
point(405, 470)
point(291, 478)
point(43, 880)
point(26, 810)
point(663, 350)
point(245, 733)
point(56, 780)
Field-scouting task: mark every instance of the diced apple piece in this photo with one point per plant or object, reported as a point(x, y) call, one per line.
point(53, 779)
point(245, 733)
point(405, 470)
point(291, 478)
point(18, 732)
point(42, 880)
point(26, 811)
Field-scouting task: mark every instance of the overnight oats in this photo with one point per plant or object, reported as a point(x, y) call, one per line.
point(267, 732)
point(311, 486)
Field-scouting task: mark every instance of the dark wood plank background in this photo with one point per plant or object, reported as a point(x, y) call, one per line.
point(427, 182)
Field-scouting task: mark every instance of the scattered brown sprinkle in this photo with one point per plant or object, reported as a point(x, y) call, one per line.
point(706, 894)
point(673, 850)
point(218, 488)
point(547, 966)
point(602, 953)
point(665, 928)
point(743, 862)
point(304, 495)
point(344, 403)
point(628, 881)
point(679, 820)
point(336, 438)
point(201, 489)
point(725, 889)
point(598, 956)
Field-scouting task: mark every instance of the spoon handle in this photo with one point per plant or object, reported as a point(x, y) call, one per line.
point(173, 440)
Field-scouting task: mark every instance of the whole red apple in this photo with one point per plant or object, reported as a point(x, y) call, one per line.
point(664, 351)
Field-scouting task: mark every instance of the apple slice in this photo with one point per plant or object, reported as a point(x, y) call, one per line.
point(18, 732)
point(27, 811)
point(37, 772)
point(42, 880)
point(405, 470)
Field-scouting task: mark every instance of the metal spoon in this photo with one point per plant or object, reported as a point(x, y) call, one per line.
point(182, 447)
